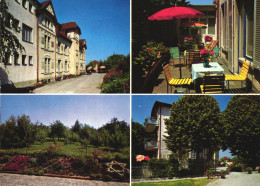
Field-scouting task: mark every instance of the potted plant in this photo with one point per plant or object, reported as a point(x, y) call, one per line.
point(223, 174)
point(207, 56)
point(249, 170)
point(209, 173)
point(258, 169)
point(187, 42)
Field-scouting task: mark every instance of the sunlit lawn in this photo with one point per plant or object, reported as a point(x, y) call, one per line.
point(71, 149)
point(184, 182)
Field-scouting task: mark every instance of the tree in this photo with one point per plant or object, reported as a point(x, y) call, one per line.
point(76, 127)
point(9, 43)
point(24, 131)
point(241, 121)
point(138, 137)
point(193, 125)
point(57, 130)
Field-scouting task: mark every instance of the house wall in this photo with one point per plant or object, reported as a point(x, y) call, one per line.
point(22, 75)
point(74, 53)
point(233, 38)
point(62, 57)
point(47, 47)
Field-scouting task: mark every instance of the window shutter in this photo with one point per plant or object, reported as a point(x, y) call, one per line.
point(257, 35)
point(52, 66)
point(52, 44)
point(42, 65)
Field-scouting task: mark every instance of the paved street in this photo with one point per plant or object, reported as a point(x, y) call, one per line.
point(17, 179)
point(238, 179)
point(83, 84)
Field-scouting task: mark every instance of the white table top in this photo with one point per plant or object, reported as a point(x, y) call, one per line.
point(198, 70)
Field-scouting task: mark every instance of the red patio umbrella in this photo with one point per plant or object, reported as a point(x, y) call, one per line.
point(176, 12)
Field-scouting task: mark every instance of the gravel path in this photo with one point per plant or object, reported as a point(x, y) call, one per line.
point(238, 179)
point(17, 180)
point(80, 85)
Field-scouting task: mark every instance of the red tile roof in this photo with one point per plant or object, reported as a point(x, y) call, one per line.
point(45, 3)
point(82, 43)
point(70, 26)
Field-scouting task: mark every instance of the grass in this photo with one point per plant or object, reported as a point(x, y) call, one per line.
point(183, 182)
point(71, 149)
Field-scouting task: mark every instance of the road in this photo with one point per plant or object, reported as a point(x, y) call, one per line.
point(17, 179)
point(238, 179)
point(80, 85)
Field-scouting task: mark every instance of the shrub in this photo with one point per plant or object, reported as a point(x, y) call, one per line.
point(116, 84)
point(107, 178)
point(160, 167)
point(6, 159)
point(32, 161)
point(17, 163)
point(150, 53)
point(183, 173)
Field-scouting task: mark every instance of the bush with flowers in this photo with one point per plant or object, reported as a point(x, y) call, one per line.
point(188, 41)
point(223, 173)
point(53, 149)
point(17, 163)
point(208, 173)
point(149, 54)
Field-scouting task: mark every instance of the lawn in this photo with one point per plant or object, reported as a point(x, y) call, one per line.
point(71, 149)
point(183, 182)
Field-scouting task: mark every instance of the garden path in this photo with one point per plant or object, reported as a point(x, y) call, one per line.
point(17, 179)
point(83, 84)
point(238, 179)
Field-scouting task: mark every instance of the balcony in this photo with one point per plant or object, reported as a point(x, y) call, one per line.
point(151, 146)
point(151, 124)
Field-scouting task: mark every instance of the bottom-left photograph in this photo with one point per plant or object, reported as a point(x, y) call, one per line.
point(62, 137)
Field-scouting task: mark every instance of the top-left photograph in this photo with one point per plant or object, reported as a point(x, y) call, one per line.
point(65, 47)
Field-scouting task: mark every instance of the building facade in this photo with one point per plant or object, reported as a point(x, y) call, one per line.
point(52, 50)
point(238, 32)
point(157, 146)
point(21, 68)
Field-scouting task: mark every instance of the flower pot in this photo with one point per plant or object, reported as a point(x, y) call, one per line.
point(206, 64)
point(249, 172)
point(209, 177)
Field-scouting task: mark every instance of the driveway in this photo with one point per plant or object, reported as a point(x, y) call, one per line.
point(83, 84)
point(17, 179)
point(238, 179)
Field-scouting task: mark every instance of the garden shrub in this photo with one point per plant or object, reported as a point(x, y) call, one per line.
point(183, 173)
point(91, 166)
point(5, 159)
point(159, 167)
point(150, 53)
point(107, 178)
point(116, 83)
point(32, 162)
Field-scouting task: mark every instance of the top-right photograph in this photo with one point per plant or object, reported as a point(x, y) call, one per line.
point(196, 46)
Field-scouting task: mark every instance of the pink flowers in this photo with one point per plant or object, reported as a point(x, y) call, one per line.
point(146, 158)
point(149, 49)
point(142, 157)
point(212, 53)
point(207, 38)
point(17, 163)
point(186, 39)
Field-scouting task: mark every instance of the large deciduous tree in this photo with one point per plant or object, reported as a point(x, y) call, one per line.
point(9, 43)
point(138, 137)
point(193, 125)
point(57, 130)
point(241, 120)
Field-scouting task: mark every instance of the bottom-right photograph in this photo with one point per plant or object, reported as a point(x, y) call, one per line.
point(195, 140)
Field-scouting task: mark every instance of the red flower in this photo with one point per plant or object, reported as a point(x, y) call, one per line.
point(146, 158)
point(212, 53)
point(156, 52)
point(203, 51)
point(149, 49)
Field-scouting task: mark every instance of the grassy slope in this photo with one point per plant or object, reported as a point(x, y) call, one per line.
point(184, 182)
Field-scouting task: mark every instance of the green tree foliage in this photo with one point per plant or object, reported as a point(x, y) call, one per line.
point(24, 127)
point(9, 43)
point(57, 130)
point(138, 137)
point(193, 125)
point(241, 120)
point(76, 127)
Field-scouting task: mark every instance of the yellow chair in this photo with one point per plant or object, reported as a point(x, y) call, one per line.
point(213, 84)
point(241, 77)
point(174, 82)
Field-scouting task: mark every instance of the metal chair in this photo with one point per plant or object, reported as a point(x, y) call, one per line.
point(213, 84)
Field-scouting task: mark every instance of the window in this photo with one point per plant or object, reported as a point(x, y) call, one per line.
point(8, 22)
point(16, 58)
point(249, 8)
point(59, 65)
point(23, 59)
point(66, 64)
point(193, 154)
point(58, 48)
point(16, 25)
point(24, 3)
point(30, 60)
point(30, 8)
point(211, 26)
point(47, 65)
point(27, 33)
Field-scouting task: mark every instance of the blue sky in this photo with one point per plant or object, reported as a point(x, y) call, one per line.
point(143, 104)
point(105, 24)
point(201, 2)
point(95, 110)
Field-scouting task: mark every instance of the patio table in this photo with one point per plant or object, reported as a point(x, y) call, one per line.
point(198, 70)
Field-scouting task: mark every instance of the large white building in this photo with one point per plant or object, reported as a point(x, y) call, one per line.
point(21, 68)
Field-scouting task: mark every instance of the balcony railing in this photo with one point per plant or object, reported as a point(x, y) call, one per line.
point(151, 145)
point(151, 124)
